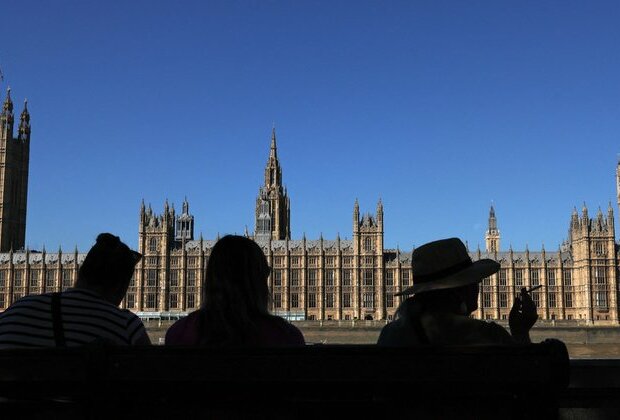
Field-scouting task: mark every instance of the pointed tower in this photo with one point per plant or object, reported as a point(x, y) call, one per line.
point(14, 163)
point(273, 211)
point(184, 224)
point(492, 236)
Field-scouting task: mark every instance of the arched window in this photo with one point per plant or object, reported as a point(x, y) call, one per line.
point(368, 244)
point(153, 244)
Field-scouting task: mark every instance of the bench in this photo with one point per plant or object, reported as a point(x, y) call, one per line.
point(314, 381)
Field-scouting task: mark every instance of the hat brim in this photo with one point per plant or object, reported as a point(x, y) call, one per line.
point(470, 275)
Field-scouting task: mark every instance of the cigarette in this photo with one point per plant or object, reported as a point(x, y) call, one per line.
point(535, 288)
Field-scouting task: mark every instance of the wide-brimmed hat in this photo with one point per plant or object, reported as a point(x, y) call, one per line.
point(446, 264)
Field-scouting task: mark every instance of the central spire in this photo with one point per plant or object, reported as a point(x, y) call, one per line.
point(273, 153)
point(272, 203)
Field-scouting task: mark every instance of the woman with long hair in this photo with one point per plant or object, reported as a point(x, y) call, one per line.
point(235, 302)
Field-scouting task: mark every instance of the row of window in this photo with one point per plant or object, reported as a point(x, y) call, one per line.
point(174, 301)
point(368, 300)
point(34, 278)
point(368, 277)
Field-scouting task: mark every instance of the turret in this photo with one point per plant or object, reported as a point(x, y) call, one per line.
point(24, 124)
point(492, 235)
point(6, 117)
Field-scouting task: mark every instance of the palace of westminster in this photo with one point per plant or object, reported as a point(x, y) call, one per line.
point(319, 279)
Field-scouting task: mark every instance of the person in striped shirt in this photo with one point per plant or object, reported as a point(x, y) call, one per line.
point(83, 314)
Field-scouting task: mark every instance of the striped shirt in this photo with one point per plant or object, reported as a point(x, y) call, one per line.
point(86, 316)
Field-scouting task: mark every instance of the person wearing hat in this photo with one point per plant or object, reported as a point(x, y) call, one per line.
point(444, 294)
point(84, 314)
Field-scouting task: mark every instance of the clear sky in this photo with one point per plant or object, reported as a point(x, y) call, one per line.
point(437, 107)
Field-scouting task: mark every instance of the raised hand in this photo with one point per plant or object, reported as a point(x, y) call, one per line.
point(522, 317)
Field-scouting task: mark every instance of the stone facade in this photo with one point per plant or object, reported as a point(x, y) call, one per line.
point(340, 279)
point(14, 160)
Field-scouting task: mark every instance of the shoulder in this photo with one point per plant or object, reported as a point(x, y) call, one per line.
point(396, 333)
point(184, 331)
point(490, 332)
point(287, 333)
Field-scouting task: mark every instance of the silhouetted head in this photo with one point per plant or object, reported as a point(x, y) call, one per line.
point(445, 278)
point(108, 268)
point(235, 290)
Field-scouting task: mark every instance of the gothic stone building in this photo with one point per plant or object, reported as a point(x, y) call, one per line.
point(339, 279)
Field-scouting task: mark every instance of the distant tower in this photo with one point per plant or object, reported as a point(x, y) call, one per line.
point(184, 224)
point(14, 161)
point(273, 209)
point(492, 237)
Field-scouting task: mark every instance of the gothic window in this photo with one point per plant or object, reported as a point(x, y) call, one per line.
point(389, 277)
point(329, 261)
point(552, 300)
point(369, 261)
point(568, 300)
point(368, 300)
point(389, 300)
point(312, 261)
point(174, 278)
point(503, 300)
point(329, 277)
point(67, 280)
point(311, 300)
point(295, 300)
point(153, 244)
point(600, 287)
point(346, 277)
point(519, 277)
point(368, 279)
point(486, 281)
point(49, 278)
point(367, 244)
point(191, 300)
point(347, 261)
point(152, 261)
point(295, 277)
point(278, 261)
point(151, 278)
point(486, 300)
point(551, 277)
point(17, 279)
point(191, 278)
point(34, 278)
point(346, 300)
point(277, 300)
point(502, 277)
point(312, 277)
point(2, 301)
point(131, 300)
point(534, 277)
point(150, 300)
point(567, 277)
point(598, 248)
point(536, 298)
point(329, 300)
point(405, 277)
point(277, 278)
point(2, 278)
point(295, 261)
point(174, 301)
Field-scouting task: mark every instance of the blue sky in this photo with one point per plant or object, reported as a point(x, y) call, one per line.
point(439, 108)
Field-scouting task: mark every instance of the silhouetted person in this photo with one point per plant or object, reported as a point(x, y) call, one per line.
point(445, 292)
point(235, 303)
point(85, 313)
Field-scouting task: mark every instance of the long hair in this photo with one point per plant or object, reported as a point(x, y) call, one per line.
point(235, 292)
